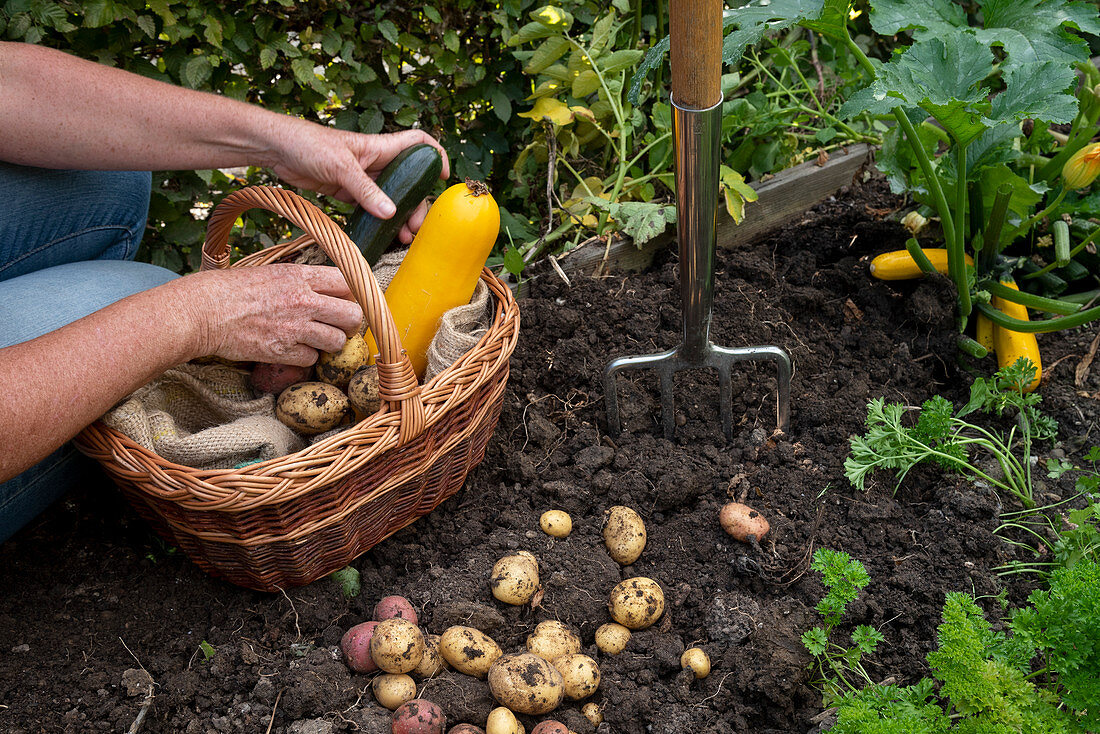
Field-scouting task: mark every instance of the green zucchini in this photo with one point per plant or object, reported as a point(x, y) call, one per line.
point(408, 178)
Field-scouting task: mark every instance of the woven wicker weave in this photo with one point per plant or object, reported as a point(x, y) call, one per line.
point(290, 520)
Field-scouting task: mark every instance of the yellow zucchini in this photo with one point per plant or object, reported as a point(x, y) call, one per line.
point(983, 332)
point(1011, 345)
point(442, 266)
point(899, 264)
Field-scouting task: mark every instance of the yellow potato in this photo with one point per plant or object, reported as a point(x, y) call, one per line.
point(431, 662)
point(515, 578)
point(697, 660)
point(741, 522)
point(502, 721)
point(363, 391)
point(556, 523)
point(526, 683)
point(397, 645)
point(312, 407)
point(624, 534)
point(468, 650)
point(392, 690)
point(611, 638)
point(636, 603)
point(592, 712)
point(552, 639)
point(336, 368)
point(580, 674)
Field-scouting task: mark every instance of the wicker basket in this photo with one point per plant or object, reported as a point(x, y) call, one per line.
point(290, 520)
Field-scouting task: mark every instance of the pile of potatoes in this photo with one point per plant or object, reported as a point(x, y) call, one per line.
point(339, 389)
point(534, 681)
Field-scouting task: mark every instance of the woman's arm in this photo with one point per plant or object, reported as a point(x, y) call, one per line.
point(59, 111)
point(62, 381)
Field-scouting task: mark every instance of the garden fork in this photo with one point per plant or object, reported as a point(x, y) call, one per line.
point(695, 27)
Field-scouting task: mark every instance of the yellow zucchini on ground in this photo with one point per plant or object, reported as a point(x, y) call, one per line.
point(442, 266)
point(1011, 345)
point(899, 264)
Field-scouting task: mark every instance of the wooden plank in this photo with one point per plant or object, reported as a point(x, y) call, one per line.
point(782, 197)
point(790, 193)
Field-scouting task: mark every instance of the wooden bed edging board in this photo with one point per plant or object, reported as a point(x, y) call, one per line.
point(785, 195)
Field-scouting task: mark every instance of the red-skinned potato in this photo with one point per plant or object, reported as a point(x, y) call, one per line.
point(466, 729)
point(550, 727)
point(418, 717)
point(274, 378)
point(741, 521)
point(395, 606)
point(355, 645)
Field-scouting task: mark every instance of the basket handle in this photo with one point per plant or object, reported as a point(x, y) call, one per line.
point(397, 383)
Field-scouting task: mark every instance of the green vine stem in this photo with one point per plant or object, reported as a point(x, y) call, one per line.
point(1043, 326)
point(992, 234)
point(1072, 253)
point(956, 265)
point(1039, 303)
point(1026, 226)
point(919, 257)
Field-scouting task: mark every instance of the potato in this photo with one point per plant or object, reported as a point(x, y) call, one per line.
point(515, 578)
point(392, 690)
point(623, 534)
point(336, 368)
point(397, 645)
point(312, 407)
point(579, 674)
point(636, 603)
point(355, 645)
point(274, 378)
point(432, 662)
point(395, 606)
point(591, 711)
point(502, 721)
point(552, 639)
point(363, 390)
point(556, 523)
point(741, 522)
point(611, 638)
point(549, 726)
point(468, 650)
point(526, 683)
point(697, 660)
point(418, 717)
point(466, 729)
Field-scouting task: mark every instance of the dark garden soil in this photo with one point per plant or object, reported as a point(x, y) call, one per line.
point(89, 598)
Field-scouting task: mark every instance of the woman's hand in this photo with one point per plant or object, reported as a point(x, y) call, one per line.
point(344, 164)
point(280, 313)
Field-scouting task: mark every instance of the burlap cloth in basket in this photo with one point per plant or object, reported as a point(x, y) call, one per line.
point(206, 416)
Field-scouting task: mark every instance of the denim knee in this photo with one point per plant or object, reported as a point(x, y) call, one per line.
point(54, 217)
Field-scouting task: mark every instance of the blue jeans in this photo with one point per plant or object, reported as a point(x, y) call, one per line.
point(67, 242)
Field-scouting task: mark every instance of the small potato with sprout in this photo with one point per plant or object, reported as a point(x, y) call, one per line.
point(468, 650)
point(552, 639)
point(580, 675)
point(397, 645)
point(637, 603)
point(526, 683)
point(742, 522)
point(624, 534)
point(556, 523)
point(515, 578)
point(392, 690)
point(612, 638)
point(697, 661)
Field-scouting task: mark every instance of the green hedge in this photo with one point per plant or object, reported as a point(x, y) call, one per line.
point(443, 66)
